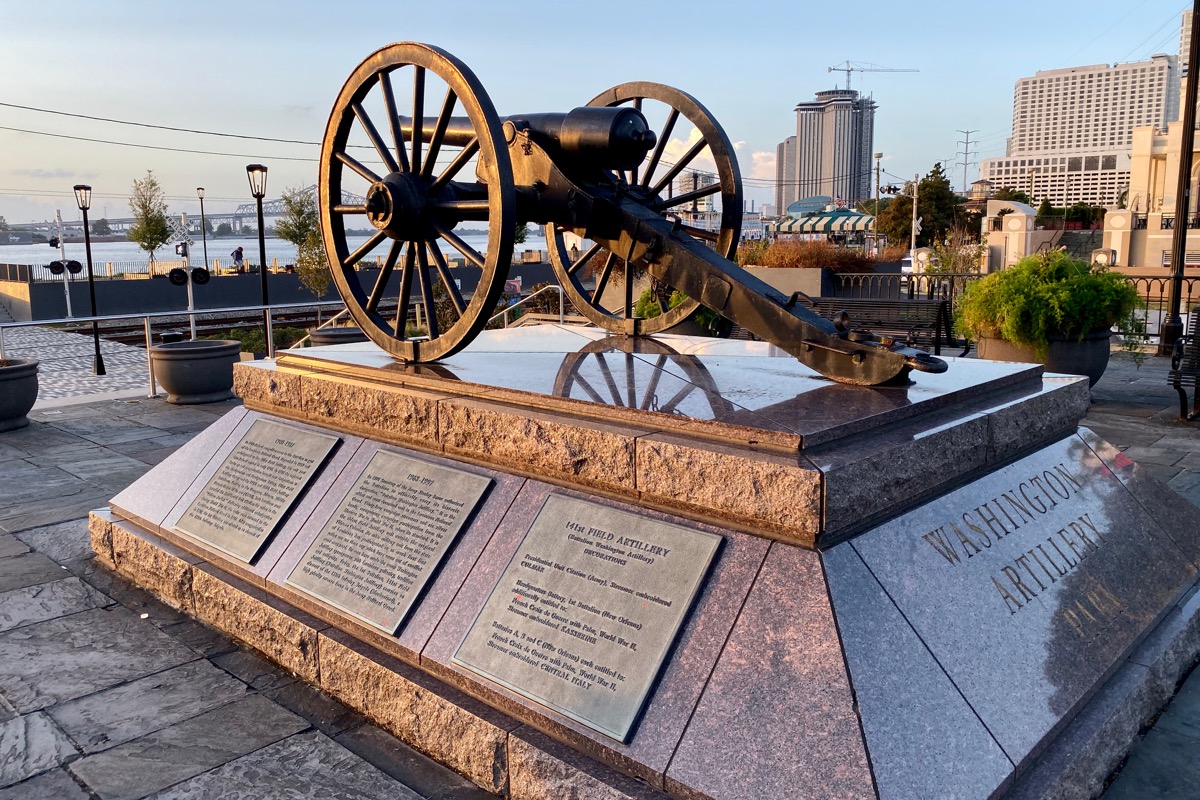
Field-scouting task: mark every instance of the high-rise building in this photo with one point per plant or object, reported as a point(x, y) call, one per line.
point(833, 145)
point(785, 174)
point(699, 211)
point(1072, 129)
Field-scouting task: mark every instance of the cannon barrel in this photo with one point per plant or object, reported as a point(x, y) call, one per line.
point(611, 138)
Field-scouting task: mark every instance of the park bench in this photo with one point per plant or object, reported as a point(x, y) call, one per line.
point(1185, 367)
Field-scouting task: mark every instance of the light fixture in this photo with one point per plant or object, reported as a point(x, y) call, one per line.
point(83, 196)
point(257, 174)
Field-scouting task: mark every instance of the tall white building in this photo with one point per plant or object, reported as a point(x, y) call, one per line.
point(1072, 129)
point(832, 149)
point(700, 210)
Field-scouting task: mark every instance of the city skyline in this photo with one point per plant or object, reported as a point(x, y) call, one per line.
point(272, 70)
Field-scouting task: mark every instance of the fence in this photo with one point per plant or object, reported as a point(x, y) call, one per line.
point(1154, 292)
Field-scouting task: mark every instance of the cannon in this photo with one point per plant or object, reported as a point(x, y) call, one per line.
point(600, 179)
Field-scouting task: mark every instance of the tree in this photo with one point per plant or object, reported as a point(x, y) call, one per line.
point(3, 224)
point(895, 220)
point(300, 224)
point(1009, 193)
point(937, 206)
point(101, 227)
point(522, 233)
point(224, 229)
point(149, 206)
point(961, 251)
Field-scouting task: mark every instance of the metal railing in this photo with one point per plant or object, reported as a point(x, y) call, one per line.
point(146, 318)
point(552, 287)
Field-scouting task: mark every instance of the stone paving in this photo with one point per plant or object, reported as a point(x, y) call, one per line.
point(107, 693)
point(65, 365)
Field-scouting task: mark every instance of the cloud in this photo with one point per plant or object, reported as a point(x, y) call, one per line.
point(50, 174)
point(763, 165)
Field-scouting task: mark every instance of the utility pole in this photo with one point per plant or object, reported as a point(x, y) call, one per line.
point(875, 216)
point(1172, 327)
point(915, 221)
point(62, 259)
point(966, 155)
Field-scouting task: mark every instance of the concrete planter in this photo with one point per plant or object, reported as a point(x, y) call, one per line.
point(196, 372)
point(18, 391)
point(319, 337)
point(1069, 356)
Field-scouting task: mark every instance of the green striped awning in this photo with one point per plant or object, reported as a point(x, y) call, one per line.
point(833, 222)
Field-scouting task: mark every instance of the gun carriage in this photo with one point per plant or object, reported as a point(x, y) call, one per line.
point(600, 172)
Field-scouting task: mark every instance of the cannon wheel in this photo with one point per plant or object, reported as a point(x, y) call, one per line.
point(646, 184)
point(413, 199)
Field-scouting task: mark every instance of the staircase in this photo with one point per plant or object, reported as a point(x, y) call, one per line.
point(4, 315)
point(1080, 244)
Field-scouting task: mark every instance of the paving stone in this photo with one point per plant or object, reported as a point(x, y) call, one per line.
point(62, 541)
point(107, 430)
point(201, 638)
point(1162, 766)
point(306, 766)
point(322, 712)
point(189, 748)
point(61, 659)
point(45, 601)
point(137, 448)
point(7, 712)
point(28, 569)
point(11, 546)
point(29, 745)
point(104, 465)
point(415, 770)
point(123, 713)
point(54, 785)
point(258, 672)
point(56, 506)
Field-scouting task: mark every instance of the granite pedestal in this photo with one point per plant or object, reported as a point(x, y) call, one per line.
point(931, 590)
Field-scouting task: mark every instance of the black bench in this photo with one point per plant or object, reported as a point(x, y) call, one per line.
point(1185, 366)
point(919, 323)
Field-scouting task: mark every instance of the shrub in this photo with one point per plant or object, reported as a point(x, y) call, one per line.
point(254, 341)
point(1044, 296)
point(813, 254)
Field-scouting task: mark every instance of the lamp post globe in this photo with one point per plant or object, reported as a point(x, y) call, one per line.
point(83, 198)
point(257, 175)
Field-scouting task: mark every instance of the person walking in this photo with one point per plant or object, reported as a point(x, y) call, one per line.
point(238, 261)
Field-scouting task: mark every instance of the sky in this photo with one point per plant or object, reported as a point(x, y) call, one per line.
point(273, 69)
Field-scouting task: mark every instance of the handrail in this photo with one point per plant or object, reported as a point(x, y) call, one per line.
point(524, 300)
point(327, 323)
point(146, 316)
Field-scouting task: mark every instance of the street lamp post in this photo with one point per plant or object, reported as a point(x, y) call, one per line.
point(875, 216)
point(83, 196)
point(257, 175)
point(203, 224)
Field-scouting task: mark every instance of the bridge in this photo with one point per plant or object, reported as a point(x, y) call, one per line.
point(235, 219)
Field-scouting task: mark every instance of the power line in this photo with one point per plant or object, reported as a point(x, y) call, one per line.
point(153, 146)
point(1156, 31)
point(156, 127)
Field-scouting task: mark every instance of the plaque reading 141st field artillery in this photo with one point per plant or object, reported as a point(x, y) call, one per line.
point(387, 537)
point(256, 486)
point(587, 610)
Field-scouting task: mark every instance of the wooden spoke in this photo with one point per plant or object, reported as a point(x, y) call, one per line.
point(630, 381)
point(439, 133)
point(700, 233)
point(389, 103)
point(652, 387)
point(382, 149)
point(582, 383)
point(680, 166)
point(357, 167)
point(602, 280)
point(460, 160)
point(418, 116)
point(423, 280)
point(584, 259)
point(669, 406)
point(609, 381)
point(660, 146)
point(470, 253)
point(349, 209)
point(406, 274)
point(366, 247)
point(443, 269)
point(688, 197)
point(384, 274)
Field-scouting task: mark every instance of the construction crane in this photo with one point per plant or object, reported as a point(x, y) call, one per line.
point(856, 66)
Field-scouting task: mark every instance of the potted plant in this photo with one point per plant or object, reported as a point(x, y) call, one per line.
point(1051, 309)
point(18, 391)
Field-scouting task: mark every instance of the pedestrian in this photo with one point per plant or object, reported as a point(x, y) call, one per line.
point(238, 263)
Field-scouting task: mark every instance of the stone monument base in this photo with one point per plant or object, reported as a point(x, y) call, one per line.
point(941, 589)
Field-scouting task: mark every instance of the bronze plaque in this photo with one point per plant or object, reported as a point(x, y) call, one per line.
point(387, 537)
point(586, 612)
point(254, 489)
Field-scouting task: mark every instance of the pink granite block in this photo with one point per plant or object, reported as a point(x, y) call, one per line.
point(266, 386)
point(150, 499)
point(540, 768)
point(777, 716)
point(154, 564)
point(684, 674)
point(369, 408)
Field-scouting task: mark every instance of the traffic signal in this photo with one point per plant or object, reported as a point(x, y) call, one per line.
point(181, 249)
point(53, 241)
